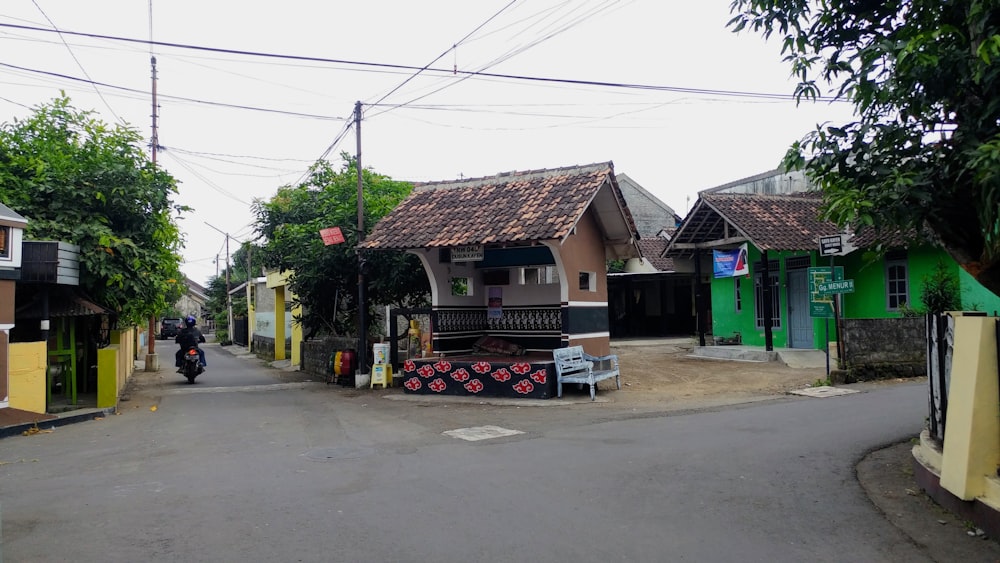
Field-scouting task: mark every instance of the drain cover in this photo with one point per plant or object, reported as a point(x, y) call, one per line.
point(338, 453)
point(823, 391)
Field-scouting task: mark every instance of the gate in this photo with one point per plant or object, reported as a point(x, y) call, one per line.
point(240, 332)
point(398, 333)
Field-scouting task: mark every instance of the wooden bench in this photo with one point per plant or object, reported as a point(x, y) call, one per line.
point(573, 365)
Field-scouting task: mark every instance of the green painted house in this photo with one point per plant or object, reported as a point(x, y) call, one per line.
point(781, 234)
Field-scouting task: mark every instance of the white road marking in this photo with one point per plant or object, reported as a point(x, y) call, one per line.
point(476, 433)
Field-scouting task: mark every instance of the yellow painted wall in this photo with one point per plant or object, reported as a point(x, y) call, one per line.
point(27, 376)
point(971, 445)
point(107, 376)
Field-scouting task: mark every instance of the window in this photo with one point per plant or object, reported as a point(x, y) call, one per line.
point(896, 281)
point(588, 281)
point(4, 242)
point(739, 298)
point(758, 294)
point(539, 275)
point(461, 286)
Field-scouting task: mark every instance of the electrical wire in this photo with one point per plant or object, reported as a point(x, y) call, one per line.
point(516, 77)
point(78, 63)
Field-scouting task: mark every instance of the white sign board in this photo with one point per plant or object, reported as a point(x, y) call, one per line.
point(472, 253)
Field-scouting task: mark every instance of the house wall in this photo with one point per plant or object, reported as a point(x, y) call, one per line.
point(27, 376)
point(975, 297)
point(585, 312)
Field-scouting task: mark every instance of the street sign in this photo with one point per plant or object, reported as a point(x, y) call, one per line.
point(821, 305)
point(333, 235)
point(836, 245)
point(835, 287)
point(831, 246)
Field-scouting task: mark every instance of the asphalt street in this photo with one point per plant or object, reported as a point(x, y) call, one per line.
point(257, 464)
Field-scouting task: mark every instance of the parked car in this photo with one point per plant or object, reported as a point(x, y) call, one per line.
point(169, 327)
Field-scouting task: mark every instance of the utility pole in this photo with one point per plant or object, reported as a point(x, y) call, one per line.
point(229, 298)
point(151, 361)
point(362, 332)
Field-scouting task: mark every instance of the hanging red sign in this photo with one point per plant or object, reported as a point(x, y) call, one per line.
point(331, 236)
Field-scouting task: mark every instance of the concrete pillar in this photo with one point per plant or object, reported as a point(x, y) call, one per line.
point(971, 445)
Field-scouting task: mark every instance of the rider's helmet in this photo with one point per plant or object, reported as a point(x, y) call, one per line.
point(189, 321)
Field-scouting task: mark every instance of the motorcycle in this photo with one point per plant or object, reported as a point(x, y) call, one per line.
point(191, 364)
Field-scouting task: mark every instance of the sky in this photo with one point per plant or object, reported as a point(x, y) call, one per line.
point(250, 93)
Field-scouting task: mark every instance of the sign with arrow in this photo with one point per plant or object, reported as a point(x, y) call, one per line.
point(836, 245)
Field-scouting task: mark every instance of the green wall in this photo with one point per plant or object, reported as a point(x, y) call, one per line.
point(868, 301)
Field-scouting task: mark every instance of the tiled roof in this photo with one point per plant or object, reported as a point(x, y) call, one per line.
point(512, 207)
point(789, 222)
point(770, 222)
point(652, 250)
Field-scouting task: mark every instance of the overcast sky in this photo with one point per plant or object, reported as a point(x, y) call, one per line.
point(234, 125)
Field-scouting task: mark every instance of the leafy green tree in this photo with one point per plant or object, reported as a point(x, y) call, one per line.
point(79, 180)
point(325, 278)
point(923, 152)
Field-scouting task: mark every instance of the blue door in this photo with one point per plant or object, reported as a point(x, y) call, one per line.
point(800, 324)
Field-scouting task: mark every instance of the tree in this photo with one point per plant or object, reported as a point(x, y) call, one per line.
point(923, 152)
point(79, 180)
point(325, 278)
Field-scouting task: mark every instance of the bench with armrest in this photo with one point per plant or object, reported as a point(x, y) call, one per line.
point(573, 365)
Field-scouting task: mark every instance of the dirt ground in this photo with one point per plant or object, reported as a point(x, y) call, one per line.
point(665, 373)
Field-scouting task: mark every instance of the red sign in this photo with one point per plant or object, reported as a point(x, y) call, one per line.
point(332, 236)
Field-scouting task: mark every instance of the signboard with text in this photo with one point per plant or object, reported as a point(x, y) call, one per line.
point(471, 253)
point(821, 304)
point(835, 287)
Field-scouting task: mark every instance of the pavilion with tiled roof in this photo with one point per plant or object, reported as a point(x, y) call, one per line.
point(519, 257)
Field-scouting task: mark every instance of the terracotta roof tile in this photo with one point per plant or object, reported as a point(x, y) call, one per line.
point(652, 250)
point(772, 222)
point(510, 207)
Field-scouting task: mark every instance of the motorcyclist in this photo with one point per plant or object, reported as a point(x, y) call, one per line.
point(189, 337)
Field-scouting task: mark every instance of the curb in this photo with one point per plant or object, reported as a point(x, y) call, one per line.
point(71, 417)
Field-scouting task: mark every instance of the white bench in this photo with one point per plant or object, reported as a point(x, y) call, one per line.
point(573, 365)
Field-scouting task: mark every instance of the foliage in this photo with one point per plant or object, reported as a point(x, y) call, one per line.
point(323, 278)
point(941, 291)
point(616, 266)
point(923, 152)
point(81, 181)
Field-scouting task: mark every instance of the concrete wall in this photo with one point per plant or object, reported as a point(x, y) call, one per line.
point(316, 353)
point(885, 348)
point(27, 376)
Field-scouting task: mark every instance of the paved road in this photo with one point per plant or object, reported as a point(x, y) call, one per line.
point(246, 465)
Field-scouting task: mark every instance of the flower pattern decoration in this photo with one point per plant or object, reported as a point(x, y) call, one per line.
point(524, 387)
point(460, 375)
point(442, 366)
point(413, 384)
point(502, 375)
point(521, 368)
point(539, 377)
point(474, 386)
point(437, 385)
point(425, 371)
point(481, 367)
point(409, 365)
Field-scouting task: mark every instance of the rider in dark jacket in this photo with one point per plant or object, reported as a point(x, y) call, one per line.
point(189, 337)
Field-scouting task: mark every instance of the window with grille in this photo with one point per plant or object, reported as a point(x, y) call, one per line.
point(739, 298)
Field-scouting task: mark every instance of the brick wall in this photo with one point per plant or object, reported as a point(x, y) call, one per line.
point(885, 348)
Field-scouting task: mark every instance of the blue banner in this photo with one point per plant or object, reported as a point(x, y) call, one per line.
point(730, 263)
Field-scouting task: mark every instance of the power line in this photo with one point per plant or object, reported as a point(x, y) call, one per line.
point(78, 63)
point(176, 98)
point(537, 79)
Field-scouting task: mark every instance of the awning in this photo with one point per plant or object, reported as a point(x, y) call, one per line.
point(63, 302)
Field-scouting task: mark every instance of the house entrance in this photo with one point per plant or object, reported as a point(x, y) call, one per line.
point(800, 324)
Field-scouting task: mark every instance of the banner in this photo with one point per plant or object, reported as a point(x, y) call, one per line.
point(730, 263)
